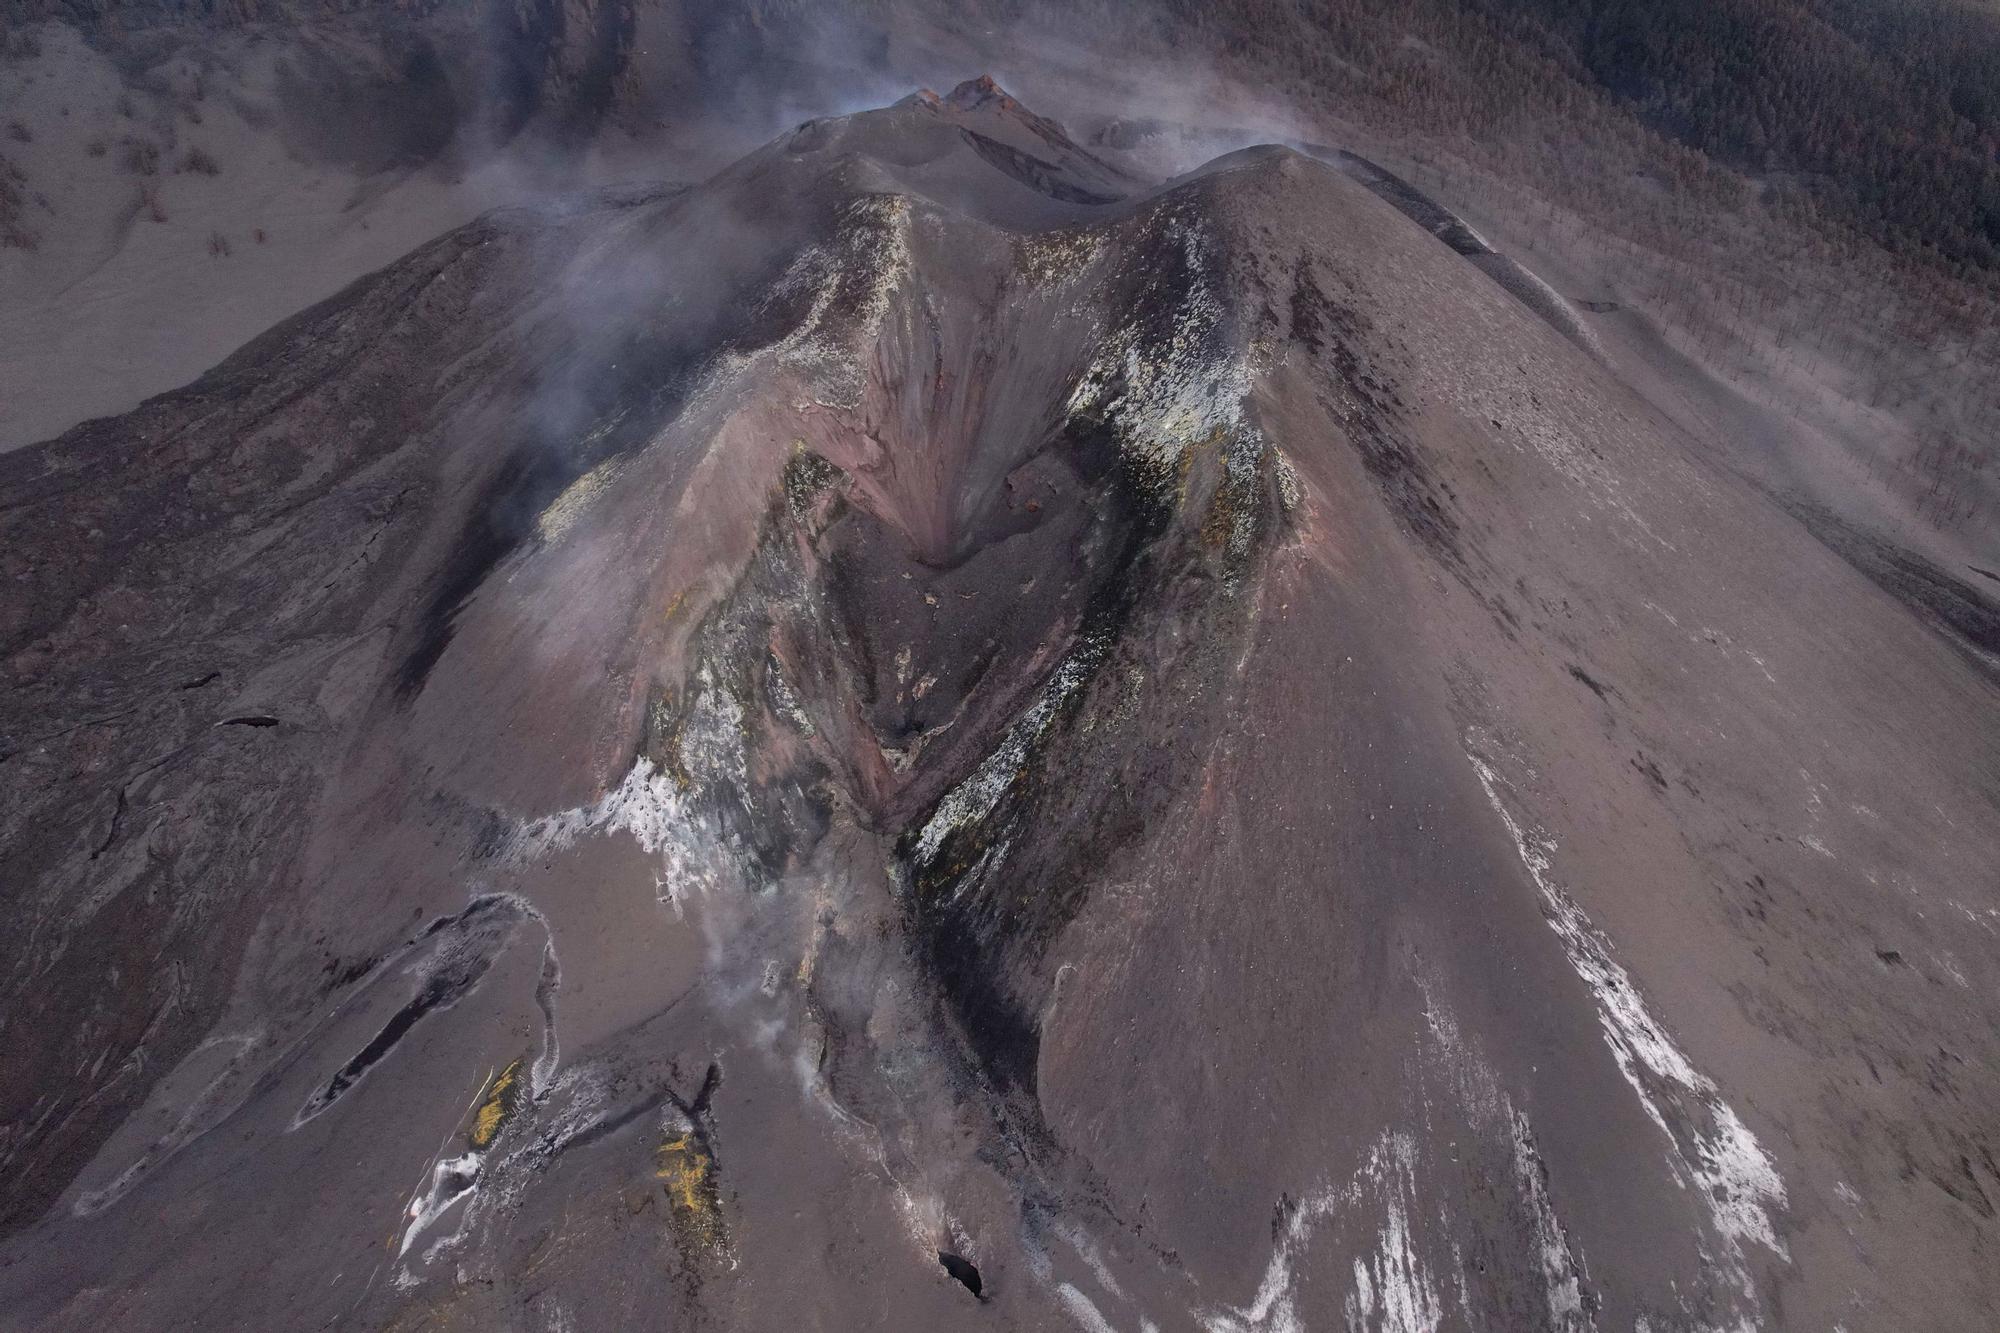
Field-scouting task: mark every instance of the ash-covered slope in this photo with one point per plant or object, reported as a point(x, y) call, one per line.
point(919, 720)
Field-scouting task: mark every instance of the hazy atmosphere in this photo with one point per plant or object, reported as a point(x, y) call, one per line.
point(1263, 665)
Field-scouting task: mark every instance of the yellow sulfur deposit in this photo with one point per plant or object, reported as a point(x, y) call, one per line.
point(688, 1173)
point(494, 1109)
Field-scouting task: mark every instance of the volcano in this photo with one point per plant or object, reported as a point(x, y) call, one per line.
point(931, 734)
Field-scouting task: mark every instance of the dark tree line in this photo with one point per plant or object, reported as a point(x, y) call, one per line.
point(1886, 112)
point(1882, 115)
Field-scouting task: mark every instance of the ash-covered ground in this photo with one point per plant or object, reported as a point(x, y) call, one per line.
point(930, 734)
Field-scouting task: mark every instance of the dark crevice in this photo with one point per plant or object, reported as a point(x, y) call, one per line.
point(454, 977)
point(439, 992)
point(1591, 683)
point(472, 911)
point(608, 1126)
point(111, 834)
point(963, 1271)
point(697, 1108)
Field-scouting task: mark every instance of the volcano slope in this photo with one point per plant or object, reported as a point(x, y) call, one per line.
point(925, 735)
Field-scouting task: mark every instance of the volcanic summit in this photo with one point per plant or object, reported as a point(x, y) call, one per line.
point(932, 733)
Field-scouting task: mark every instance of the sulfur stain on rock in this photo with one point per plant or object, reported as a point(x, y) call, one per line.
point(502, 1095)
point(686, 1170)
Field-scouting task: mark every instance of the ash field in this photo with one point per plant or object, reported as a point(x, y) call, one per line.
point(937, 732)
